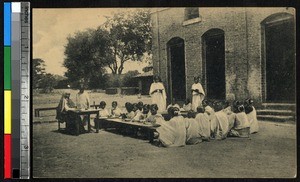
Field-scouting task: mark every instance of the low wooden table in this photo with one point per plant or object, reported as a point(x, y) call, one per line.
point(104, 123)
point(88, 112)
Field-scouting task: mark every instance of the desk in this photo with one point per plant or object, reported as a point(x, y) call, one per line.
point(105, 123)
point(84, 112)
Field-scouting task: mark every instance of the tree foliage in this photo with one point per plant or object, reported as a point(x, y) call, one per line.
point(38, 70)
point(131, 37)
point(87, 53)
point(40, 79)
point(125, 36)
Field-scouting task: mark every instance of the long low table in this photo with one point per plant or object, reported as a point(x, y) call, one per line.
point(117, 123)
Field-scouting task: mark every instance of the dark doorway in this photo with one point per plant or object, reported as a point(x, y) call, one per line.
point(280, 59)
point(214, 63)
point(177, 80)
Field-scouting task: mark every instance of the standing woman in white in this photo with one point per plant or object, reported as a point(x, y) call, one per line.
point(158, 94)
point(197, 94)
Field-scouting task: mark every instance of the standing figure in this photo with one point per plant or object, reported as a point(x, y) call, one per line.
point(82, 99)
point(197, 94)
point(158, 94)
point(83, 102)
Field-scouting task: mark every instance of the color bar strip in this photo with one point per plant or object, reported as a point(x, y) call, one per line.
point(7, 68)
point(7, 156)
point(7, 91)
point(15, 87)
point(7, 113)
point(7, 26)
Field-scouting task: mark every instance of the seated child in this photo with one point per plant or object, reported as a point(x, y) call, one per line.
point(221, 119)
point(251, 114)
point(103, 111)
point(146, 112)
point(207, 108)
point(173, 104)
point(115, 110)
point(129, 111)
point(230, 115)
point(173, 132)
point(211, 114)
point(138, 109)
point(192, 129)
point(241, 120)
point(203, 119)
point(154, 115)
point(187, 106)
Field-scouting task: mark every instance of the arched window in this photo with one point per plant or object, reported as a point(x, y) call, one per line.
point(191, 13)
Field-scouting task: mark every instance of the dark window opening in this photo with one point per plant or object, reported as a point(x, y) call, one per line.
point(191, 13)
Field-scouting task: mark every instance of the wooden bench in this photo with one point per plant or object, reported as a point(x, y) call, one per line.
point(37, 110)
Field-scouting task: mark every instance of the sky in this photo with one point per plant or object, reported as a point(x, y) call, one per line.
point(51, 27)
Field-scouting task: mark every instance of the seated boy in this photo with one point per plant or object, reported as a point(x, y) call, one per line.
point(115, 110)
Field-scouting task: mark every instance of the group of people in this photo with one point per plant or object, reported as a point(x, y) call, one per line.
point(205, 120)
point(158, 94)
point(66, 104)
point(213, 120)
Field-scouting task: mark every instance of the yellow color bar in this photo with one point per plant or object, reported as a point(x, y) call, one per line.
point(7, 112)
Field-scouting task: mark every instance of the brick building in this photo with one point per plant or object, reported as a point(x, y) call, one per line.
point(237, 52)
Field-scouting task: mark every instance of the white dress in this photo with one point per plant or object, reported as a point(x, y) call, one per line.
point(252, 118)
point(197, 98)
point(157, 97)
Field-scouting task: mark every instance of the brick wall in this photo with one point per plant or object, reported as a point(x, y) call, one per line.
point(243, 47)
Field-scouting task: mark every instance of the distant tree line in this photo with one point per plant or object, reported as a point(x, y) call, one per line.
point(46, 82)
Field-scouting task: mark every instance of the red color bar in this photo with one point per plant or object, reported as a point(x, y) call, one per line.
point(7, 156)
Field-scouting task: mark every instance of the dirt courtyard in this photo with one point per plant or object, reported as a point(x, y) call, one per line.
point(270, 153)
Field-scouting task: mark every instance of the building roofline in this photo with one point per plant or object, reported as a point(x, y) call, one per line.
point(156, 10)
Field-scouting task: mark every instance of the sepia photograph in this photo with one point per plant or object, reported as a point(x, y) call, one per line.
point(185, 92)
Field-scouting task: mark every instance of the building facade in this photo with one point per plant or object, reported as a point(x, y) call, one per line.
point(237, 52)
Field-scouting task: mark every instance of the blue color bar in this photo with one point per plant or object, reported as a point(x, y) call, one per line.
point(7, 24)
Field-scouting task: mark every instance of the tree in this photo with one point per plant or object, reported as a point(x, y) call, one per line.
point(130, 36)
point(47, 83)
point(38, 71)
point(87, 53)
point(129, 80)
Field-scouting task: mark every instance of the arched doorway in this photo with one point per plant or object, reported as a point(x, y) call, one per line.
point(176, 69)
point(214, 63)
point(278, 34)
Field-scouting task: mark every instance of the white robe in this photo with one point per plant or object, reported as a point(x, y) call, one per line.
point(204, 127)
point(157, 97)
point(82, 100)
point(197, 98)
point(116, 112)
point(222, 125)
point(104, 113)
point(252, 118)
point(192, 131)
point(172, 133)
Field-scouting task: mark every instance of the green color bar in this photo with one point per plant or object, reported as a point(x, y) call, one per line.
point(7, 68)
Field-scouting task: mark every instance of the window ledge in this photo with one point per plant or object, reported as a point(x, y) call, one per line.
point(192, 21)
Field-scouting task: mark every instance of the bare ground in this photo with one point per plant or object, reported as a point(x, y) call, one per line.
point(270, 153)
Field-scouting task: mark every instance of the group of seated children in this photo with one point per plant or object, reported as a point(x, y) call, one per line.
point(213, 120)
point(133, 112)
